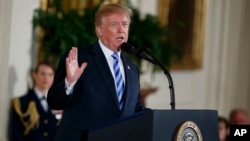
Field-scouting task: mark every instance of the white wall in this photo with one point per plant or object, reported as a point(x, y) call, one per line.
point(15, 53)
point(222, 83)
point(242, 93)
point(20, 45)
point(5, 20)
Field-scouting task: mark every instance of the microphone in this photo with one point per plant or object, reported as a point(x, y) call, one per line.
point(128, 48)
point(140, 53)
point(145, 54)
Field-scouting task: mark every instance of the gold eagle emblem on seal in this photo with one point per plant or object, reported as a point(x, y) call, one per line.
point(188, 131)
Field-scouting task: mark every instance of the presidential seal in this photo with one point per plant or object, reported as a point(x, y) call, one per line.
point(188, 131)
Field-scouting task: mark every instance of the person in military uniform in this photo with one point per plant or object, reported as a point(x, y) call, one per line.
point(31, 119)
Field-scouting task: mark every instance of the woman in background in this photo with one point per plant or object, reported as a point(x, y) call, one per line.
point(223, 128)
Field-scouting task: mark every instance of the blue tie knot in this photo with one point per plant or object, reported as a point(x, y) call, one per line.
point(115, 56)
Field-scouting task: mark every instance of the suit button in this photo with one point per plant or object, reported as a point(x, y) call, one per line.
point(45, 134)
point(46, 121)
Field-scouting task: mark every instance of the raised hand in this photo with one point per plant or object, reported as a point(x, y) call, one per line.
point(73, 71)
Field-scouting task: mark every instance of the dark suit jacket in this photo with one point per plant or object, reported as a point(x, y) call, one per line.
point(47, 121)
point(94, 99)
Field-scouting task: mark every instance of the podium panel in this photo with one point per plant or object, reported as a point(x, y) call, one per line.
point(160, 125)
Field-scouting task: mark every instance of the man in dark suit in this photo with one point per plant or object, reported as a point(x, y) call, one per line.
point(92, 85)
point(30, 117)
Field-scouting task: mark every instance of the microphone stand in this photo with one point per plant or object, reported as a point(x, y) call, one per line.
point(144, 53)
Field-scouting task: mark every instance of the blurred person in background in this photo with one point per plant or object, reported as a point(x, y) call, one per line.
point(238, 117)
point(224, 128)
point(31, 119)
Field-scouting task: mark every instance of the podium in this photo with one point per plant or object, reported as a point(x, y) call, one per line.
point(160, 125)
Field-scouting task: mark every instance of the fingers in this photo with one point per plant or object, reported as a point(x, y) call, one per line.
point(72, 54)
point(83, 66)
point(75, 52)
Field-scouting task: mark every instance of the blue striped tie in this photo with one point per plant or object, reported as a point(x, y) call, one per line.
point(118, 79)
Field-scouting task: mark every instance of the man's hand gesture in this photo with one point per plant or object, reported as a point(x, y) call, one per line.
point(73, 71)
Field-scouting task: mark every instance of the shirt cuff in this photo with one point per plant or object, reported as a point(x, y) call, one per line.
point(69, 89)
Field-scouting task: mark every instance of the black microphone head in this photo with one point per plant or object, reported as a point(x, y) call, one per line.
point(127, 48)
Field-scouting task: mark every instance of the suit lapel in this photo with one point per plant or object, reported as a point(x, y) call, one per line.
point(103, 67)
point(129, 74)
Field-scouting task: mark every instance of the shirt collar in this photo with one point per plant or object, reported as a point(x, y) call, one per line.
point(107, 52)
point(38, 93)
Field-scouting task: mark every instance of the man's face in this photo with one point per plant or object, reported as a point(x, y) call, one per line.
point(114, 30)
point(43, 77)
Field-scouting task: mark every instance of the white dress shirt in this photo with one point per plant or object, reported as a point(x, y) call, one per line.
point(43, 102)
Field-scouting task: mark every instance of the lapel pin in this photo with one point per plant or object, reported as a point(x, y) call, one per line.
point(128, 67)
